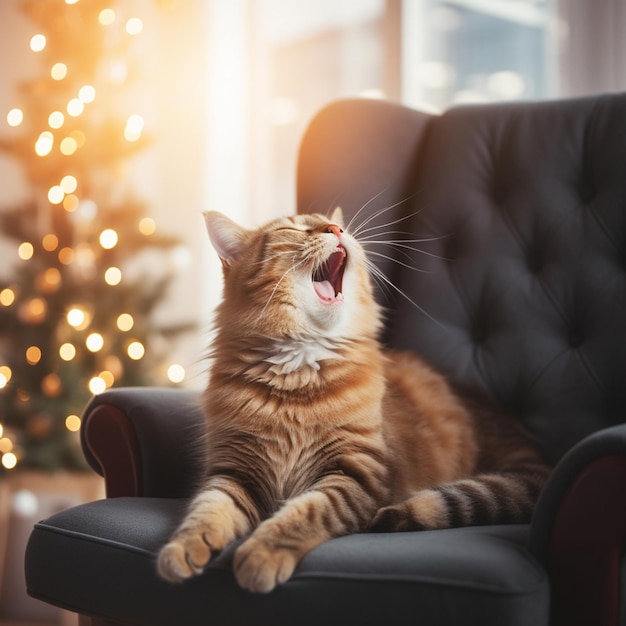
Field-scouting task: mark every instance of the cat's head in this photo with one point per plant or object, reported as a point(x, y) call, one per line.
point(296, 276)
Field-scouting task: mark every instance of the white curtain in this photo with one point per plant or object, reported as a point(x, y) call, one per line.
point(592, 46)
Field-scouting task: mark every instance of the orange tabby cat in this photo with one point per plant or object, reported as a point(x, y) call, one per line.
point(314, 431)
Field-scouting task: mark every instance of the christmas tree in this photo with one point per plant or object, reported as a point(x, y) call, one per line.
point(76, 310)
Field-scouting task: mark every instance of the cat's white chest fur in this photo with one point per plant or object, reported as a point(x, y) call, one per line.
point(291, 355)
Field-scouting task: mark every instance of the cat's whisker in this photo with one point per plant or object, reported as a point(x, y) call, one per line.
point(377, 272)
point(369, 238)
point(280, 280)
point(354, 217)
point(390, 258)
point(384, 226)
point(376, 214)
point(401, 246)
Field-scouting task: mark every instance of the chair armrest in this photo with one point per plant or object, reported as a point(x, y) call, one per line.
point(145, 441)
point(579, 529)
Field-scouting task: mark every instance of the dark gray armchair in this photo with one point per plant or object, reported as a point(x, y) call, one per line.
point(522, 213)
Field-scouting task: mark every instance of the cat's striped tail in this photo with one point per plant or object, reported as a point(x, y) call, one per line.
point(505, 497)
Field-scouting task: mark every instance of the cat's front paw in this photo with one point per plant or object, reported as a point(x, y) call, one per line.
point(260, 567)
point(393, 519)
point(184, 556)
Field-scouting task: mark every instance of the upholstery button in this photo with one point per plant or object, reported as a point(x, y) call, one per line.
point(576, 339)
point(587, 192)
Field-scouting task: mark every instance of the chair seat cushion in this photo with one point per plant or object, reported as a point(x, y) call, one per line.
point(99, 559)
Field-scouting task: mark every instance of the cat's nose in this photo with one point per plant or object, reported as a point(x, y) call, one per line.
point(336, 230)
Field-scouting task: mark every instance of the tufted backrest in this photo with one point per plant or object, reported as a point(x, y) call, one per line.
point(521, 213)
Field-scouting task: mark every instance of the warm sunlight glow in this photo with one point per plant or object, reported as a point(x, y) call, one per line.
point(58, 71)
point(15, 117)
point(113, 276)
point(55, 194)
point(136, 350)
point(108, 238)
point(72, 423)
point(25, 251)
point(44, 143)
point(118, 72)
point(106, 17)
point(7, 296)
point(97, 385)
point(147, 226)
point(38, 42)
point(134, 26)
point(176, 373)
point(87, 94)
point(94, 342)
point(67, 351)
point(56, 119)
point(125, 322)
point(33, 355)
point(75, 107)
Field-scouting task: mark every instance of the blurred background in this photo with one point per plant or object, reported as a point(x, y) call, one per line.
point(121, 121)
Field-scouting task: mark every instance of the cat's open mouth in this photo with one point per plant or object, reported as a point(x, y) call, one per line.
point(328, 277)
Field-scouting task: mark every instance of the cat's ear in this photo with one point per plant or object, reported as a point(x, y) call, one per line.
point(227, 237)
point(337, 217)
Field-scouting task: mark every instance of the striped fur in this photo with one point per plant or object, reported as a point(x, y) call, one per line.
point(315, 432)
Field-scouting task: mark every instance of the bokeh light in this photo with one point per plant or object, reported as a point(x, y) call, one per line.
point(67, 351)
point(44, 143)
point(176, 373)
point(113, 276)
point(134, 26)
point(15, 117)
point(72, 423)
point(7, 296)
point(108, 238)
point(56, 119)
point(94, 342)
point(38, 42)
point(33, 355)
point(25, 250)
point(58, 71)
point(136, 350)
point(125, 322)
point(97, 385)
point(147, 226)
point(106, 17)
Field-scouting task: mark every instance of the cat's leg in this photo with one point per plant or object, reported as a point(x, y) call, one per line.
point(506, 497)
point(219, 514)
point(335, 506)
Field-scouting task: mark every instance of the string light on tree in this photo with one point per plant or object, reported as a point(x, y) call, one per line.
point(71, 306)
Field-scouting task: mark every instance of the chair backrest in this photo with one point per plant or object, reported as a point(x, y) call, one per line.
point(521, 209)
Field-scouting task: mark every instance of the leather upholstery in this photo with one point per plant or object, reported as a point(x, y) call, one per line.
point(521, 209)
point(520, 288)
point(479, 576)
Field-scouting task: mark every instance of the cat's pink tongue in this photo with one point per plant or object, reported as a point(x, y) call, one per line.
point(324, 290)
